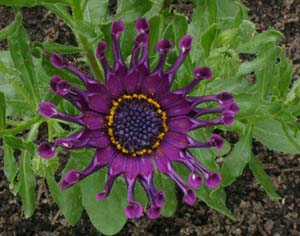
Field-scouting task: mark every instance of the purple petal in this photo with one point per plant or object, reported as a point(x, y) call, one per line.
point(134, 210)
point(59, 86)
point(46, 150)
point(101, 48)
point(105, 155)
point(132, 169)
point(117, 27)
point(97, 103)
point(181, 124)
point(195, 180)
point(216, 141)
point(233, 107)
point(72, 176)
point(93, 120)
point(146, 167)
point(171, 100)
point(177, 140)
point(58, 61)
point(201, 73)
point(189, 197)
point(107, 188)
point(133, 79)
point(169, 151)
point(47, 109)
point(163, 46)
point(160, 198)
point(224, 97)
point(118, 165)
point(213, 180)
point(228, 117)
point(154, 212)
point(114, 85)
point(142, 25)
point(162, 162)
point(185, 43)
point(179, 109)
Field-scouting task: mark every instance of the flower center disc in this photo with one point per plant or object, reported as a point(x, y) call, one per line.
point(136, 124)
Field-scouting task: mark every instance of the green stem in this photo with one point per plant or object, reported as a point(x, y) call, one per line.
point(21, 126)
point(84, 43)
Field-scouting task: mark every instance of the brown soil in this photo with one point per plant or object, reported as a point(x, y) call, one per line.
point(257, 214)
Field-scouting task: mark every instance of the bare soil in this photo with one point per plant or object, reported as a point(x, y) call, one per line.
point(256, 213)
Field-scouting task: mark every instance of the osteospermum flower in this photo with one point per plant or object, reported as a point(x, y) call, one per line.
point(136, 123)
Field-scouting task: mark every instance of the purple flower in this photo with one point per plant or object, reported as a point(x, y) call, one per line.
point(136, 123)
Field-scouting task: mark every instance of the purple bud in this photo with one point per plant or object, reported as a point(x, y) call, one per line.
point(72, 176)
point(117, 27)
point(134, 210)
point(189, 197)
point(63, 87)
point(195, 180)
point(228, 117)
point(202, 73)
point(233, 107)
point(101, 48)
point(224, 97)
point(47, 109)
point(164, 46)
point(101, 196)
point(216, 141)
point(46, 150)
point(213, 180)
point(53, 82)
point(154, 212)
point(160, 198)
point(185, 43)
point(58, 61)
point(141, 39)
point(142, 25)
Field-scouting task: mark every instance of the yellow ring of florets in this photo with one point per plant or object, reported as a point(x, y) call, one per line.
point(110, 120)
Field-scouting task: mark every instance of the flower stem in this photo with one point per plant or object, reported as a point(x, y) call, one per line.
point(22, 126)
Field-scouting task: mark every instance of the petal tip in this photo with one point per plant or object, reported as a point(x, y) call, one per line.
point(134, 210)
point(47, 109)
point(58, 61)
point(46, 150)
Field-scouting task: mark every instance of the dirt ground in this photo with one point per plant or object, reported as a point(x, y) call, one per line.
point(256, 213)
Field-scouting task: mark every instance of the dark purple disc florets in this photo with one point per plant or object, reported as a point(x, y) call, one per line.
point(135, 122)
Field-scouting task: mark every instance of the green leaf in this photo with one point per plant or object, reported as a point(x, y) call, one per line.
point(10, 163)
point(254, 44)
point(97, 11)
point(53, 47)
point(215, 199)
point(107, 215)
point(168, 186)
point(236, 161)
point(262, 177)
point(27, 184)
point(130, 10)
point(19, 143)
point(2, 111)
point(274, 136)
point(68, 200)
point(208, 37)
point(30, 3)
point(7, 31)
point(22, 58)
point(203, 16)
point(10, 84)
point(179, 27)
